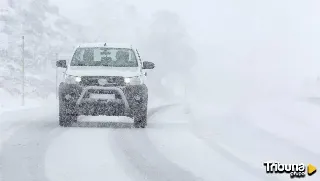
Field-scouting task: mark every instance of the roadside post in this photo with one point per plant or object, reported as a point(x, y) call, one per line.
point(23, 74)
point(56, 77)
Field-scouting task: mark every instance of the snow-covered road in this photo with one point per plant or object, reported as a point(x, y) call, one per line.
point(175, 147)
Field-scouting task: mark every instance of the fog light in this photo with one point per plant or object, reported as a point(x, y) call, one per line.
point(67, 97)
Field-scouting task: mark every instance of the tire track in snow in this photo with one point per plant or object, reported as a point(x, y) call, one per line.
point(142, 160)
point(23, 155)
point(224, 161)
point(23, 152)
point(289, 124)
point(236, 160)
point(282, 142)
point(244, 142)
point(229, 156)
point(13, 121)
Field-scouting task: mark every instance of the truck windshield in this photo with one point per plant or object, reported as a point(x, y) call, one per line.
point(111, 57)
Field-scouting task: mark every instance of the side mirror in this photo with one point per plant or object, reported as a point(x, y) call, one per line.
point(61, 63)
point(148, 65)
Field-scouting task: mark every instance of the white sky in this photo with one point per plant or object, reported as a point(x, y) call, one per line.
point(271, 38)
point(3, 4)
point(188, 10)
point(220, 18)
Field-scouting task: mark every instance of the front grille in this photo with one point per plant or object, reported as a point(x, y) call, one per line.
point(94, 81)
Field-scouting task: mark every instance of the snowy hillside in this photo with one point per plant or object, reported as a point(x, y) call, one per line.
point(47, 34)
point(37, 86)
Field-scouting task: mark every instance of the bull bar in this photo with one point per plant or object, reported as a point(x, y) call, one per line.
point(123, 97)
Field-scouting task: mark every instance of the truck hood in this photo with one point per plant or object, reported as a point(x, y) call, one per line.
point(103, 71)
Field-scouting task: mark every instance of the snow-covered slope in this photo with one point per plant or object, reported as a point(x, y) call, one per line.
point(38, 87)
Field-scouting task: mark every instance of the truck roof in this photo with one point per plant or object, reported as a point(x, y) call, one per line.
point(106, 44)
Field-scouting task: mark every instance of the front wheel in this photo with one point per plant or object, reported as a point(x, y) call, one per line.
point(140, 121)
point(65, 118)
point(140, 114)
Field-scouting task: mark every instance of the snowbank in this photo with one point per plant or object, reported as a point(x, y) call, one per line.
point(12, 118)
point(295, 120)
point(38, 85)
point(10, 103)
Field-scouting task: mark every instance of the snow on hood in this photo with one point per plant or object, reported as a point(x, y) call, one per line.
point(103, 71)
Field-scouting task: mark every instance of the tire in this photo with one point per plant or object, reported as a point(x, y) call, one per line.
point(141, 120)
point(140, 114)
point(65, 119)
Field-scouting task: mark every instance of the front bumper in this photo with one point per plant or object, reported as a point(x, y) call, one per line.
point(128, 98)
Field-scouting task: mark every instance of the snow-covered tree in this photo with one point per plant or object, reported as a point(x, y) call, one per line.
point(167, 43)
point(46, 32)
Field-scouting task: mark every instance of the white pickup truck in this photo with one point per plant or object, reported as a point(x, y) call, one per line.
point(104, 79)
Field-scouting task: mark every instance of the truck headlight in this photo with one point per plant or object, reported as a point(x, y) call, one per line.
point(133, 80)
point(72, 79)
